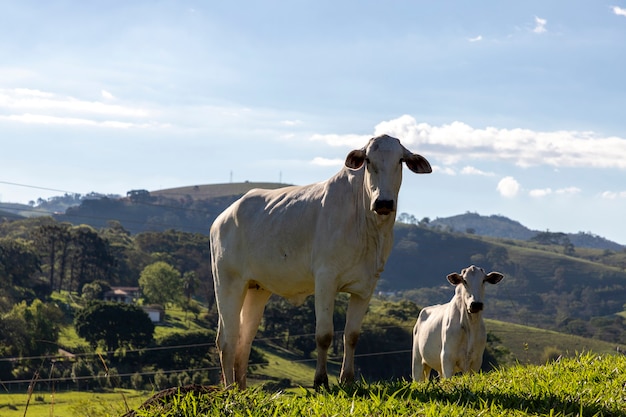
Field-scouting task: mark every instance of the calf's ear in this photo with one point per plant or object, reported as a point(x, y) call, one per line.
point(455, 278)
point(355, 159)
point(417, 163)
point(494, 277)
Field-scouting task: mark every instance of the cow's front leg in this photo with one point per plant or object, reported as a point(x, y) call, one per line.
point(324, 306)
point(357, 307)
point(447, 363)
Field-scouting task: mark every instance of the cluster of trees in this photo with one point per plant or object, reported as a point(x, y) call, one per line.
point(40, 256)
point(552, 238)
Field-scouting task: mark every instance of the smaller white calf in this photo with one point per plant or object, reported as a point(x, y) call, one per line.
point(451, 337)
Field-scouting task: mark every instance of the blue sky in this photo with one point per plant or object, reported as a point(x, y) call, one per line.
point(519, 106)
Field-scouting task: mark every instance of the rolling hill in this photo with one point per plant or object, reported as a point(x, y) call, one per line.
point(505, 228)
point(579, 292)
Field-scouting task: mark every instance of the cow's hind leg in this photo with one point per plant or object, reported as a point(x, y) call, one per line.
point(229, 304)
point(357, 307)
point(250, 318)
point(417, 366)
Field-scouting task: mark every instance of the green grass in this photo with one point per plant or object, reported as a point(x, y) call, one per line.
point(87, 404)
point(282, 364)
point(176, 321)
point(588, 385)
point(527, 345)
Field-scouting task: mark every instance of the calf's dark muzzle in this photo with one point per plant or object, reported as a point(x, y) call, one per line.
point(475, 307)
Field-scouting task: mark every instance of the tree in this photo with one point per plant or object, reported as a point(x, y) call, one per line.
point(90, 256)
point(186, 350)
point(190, 282)
point(18, 263)
point(498, 257)
point(29, 331)
point(406, 218)
point(82, 373)
point(161, 283)
point(108, 324)
point(95, 290)
point(52, 241)
point(129, 259)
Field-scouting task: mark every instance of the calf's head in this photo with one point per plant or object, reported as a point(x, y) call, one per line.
point(470, 285)
point(383, 157)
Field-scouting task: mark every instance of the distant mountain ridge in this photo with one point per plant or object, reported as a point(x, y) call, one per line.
point(502, 227)
point(193, 208)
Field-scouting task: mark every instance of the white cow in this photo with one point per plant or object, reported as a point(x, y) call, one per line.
point(332, 236)
point(451, 337)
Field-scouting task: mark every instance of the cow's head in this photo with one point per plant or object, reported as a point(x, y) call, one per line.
point(470, 284)
point(383, 157)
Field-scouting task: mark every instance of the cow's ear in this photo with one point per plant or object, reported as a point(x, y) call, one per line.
point(494, 277)
point(417, 163)
point(455, 278)
point(355, 159)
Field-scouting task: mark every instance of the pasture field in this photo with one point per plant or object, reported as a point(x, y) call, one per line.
point(586, 385)
point(530, 345)
point(66, 404)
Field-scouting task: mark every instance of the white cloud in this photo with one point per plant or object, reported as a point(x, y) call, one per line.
point(538, 193)
point(508, 187)
point(619, 11)
point(106, 95)
point(468, 170)
point(354, 141)
point(613, 195)
point(543, 192)
point(326, 162)
point(540, 25)
point(73, 121)
point(568, 190)
point(443, 170)
point(291, 122)
point(31, 101)
point(458, 141)
point(476, 39)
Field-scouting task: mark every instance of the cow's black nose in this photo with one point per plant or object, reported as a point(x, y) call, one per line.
point(475, 307)
point(384, 206)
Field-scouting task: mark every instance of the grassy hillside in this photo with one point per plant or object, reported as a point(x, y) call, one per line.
point(542, 287)
point(505, 228)
point(551, 390)
point(530, 345)
point(209, 191)
point(584, 386)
